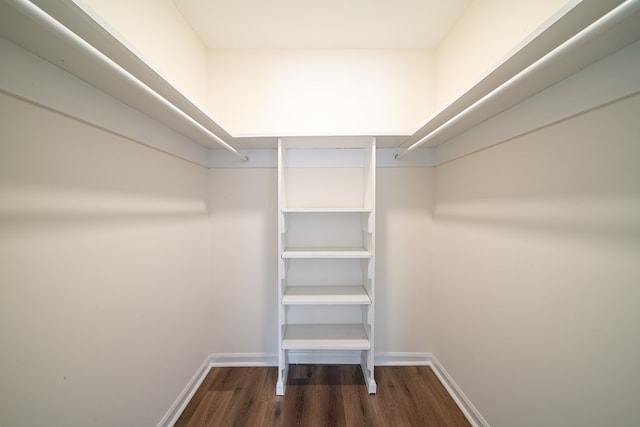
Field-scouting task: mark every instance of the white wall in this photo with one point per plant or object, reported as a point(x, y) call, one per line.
point(404, 248)
point(158, 33)
point(483, 35)
point(105, 308)
point(244, 204)
point(244, 229)
point(323, 91)
point(535, 300)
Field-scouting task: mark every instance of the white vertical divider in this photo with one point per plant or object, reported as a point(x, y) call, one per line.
point(369, 201)
point(283, 363)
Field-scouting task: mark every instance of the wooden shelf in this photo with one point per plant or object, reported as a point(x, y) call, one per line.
point(325, 337)
point(326, 253)
point(326, 200)
point(302, 295)
point(72, 37)
point(326, 210)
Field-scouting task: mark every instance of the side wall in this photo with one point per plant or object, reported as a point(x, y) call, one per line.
point(536, 297)
point(105, 295)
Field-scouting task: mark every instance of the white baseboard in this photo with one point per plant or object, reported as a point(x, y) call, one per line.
point(470, 412)
point(271, 359)
point(185, 396)
point(402, 359)
point(243, 359)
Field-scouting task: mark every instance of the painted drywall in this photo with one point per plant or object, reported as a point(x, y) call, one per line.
point(243, 205)
point(320, 92)
point(104, 302)
point(404, 248)
point(159, 34)
point(535, 289)
point(486, 32)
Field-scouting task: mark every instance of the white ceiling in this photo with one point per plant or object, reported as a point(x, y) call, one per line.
point(321, 24)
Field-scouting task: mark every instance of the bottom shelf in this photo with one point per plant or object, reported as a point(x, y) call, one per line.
point(326, 337)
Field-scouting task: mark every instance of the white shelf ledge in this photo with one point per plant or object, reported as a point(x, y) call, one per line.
point(326, 337)
point(66, 34)
point(326, 210)
point(326, 253)
point(302, 295)
point(577, 36)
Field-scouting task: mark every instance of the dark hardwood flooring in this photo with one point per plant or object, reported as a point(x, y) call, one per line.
point(322, 395)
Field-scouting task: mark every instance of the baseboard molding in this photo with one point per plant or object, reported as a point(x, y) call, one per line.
point(271, 359)
point(243, 359)
point(185, 396)
point(402, 359)
point(470, 412)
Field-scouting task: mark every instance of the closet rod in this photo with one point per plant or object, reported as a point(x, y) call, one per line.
point(40, 17)
point(569, 47)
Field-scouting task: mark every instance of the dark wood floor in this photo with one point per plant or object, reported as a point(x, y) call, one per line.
point(318, 395)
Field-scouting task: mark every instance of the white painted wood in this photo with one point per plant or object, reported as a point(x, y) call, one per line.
point(326, 229)
point(217, 360)
point(325, 357)
point(402, 359)
point(325, 337)
point(29, 77)
point(30, 27)
point(560, 27)
point(256, 158)
point(181, 402)
point(326, 253)
point(325, 157)
point(538, 70)
point(325, 313)
point(325, 295)
point(577, 94)
point(470, 412)
point(326, 210)
point(268, 158)
point(70, 37)
point(369, 380)
point(386, 158)
point(574, 95)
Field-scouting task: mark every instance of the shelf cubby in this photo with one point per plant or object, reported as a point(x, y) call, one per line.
point(326, 247)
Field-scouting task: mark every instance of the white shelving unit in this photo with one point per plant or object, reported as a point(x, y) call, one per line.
point(326, 265)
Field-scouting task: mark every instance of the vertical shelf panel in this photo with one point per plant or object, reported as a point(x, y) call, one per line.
point(326, 228)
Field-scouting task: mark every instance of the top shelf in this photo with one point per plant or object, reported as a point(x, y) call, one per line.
point(326, 210)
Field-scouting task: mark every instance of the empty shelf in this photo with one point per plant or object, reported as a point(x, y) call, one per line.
point(326, 337)
point(325, 295)
point(326, 253)
point(326, 210)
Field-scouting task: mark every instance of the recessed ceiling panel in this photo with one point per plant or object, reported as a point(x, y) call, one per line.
point(329, 24)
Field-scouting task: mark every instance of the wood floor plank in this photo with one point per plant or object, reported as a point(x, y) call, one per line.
point(207, 411)
point(391, 403)
point(321, 395)
point(198, 396)
point(358, 405)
